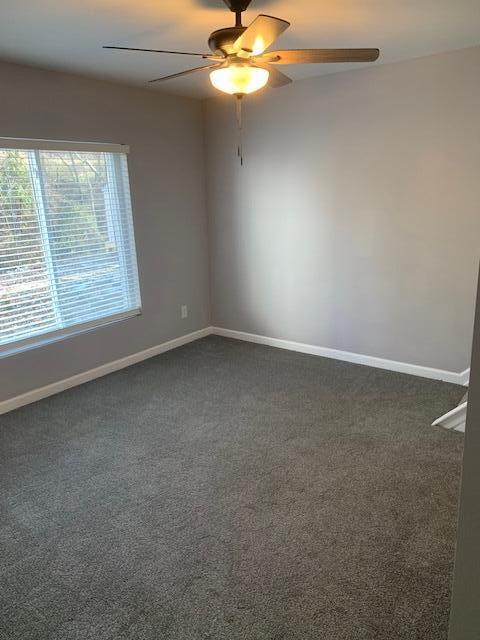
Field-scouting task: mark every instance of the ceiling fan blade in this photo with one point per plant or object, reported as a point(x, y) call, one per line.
point(262, 32)
point(307, 56)
point(275, 77)
point(186, 73)
point(179, 53)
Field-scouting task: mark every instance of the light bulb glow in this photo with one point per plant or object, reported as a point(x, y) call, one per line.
point(259, 46)
point(239, 79)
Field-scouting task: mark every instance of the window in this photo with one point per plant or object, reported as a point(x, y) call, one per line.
point(67, 253)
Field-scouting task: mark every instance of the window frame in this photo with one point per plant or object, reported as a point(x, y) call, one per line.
point(58, 334)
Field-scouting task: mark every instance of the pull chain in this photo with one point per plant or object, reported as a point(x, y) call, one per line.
point(239, 127)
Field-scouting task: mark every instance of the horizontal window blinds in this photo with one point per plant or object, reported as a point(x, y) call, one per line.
point(62, 145)
point(67, 254)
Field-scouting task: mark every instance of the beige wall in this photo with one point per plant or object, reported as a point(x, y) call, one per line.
point(355, 222)
point(167, 186)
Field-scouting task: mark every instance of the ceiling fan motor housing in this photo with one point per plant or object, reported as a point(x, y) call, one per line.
point(221, 41)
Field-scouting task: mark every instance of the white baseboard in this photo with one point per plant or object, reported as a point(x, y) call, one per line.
point(454, 419)
point(465, 377)
point(370, 361)
point(109, 367)
point(102, 370)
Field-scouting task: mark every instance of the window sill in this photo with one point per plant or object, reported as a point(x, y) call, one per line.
point(44, 339)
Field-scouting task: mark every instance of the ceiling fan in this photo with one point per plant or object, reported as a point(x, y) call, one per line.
point(240, 62)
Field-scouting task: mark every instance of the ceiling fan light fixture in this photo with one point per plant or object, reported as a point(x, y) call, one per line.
point(239, 79)
point(244, 62)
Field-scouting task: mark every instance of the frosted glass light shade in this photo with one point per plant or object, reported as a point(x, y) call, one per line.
point(239, 79)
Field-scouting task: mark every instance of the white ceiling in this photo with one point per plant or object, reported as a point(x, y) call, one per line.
point(68, 35)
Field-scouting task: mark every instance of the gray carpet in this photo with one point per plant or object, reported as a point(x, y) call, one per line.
point(227, 490)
